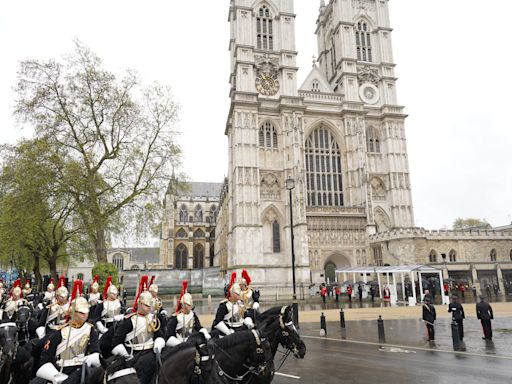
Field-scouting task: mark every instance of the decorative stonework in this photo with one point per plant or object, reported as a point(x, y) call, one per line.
point(378, 189)
point(368, 74)
point(364, 5)
point(270, 188)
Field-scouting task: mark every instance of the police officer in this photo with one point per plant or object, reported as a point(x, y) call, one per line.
point(231, 315)
point(54, 314)
point(138, 336)
point(68, 347)
point(184, 322)
point(249, 296)
point(458, 316)
point(485, 315)
point(429, 317)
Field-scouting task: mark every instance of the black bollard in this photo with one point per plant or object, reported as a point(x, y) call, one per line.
point(323, 324)
point(455, 336)
point(342, 318)
point(295, 314)
point(380, 325)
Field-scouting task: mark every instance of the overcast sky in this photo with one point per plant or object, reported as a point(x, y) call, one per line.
point(453, 64)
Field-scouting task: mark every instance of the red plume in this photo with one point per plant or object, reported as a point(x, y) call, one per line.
point(62, 281)
point(245, 276)
point(143, 286)
point(95, 279)
point(17, 283)
point(151, 281)
point(183, 291)
point(51, 280)
point(107, 285)
point(76, 292)
point(231, 282)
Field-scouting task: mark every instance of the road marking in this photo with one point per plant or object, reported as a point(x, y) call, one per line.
point(395, 350)
point(286, 375)
point(409, 347)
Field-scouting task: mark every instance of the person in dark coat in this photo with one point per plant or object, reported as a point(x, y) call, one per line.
point(457, 311)
point(429, 317)
point(360, 292)
point(372, 292)
point(485, 315)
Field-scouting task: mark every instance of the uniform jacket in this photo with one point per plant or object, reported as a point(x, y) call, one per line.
point(182, 326)
point(457, 311)
point(126, 326)
point(230, 313)
point(429, 313)
point(484, 311)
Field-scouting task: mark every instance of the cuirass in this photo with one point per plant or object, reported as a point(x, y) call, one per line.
point(111, 308)
point(76, 346)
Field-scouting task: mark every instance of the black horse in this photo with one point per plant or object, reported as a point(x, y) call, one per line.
point(22, 367)
point(8, 347)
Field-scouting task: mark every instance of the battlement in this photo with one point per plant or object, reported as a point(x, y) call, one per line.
point(417, 232)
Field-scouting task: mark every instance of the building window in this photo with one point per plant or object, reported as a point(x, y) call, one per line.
point(372, 140)
point(212, 254)
point(333, 54)
point(276, 237)
point(198, 262)
point(181, 256)
point(363, 41)
point(268, 136)
point(213, 214)
point(493, 254)
point(80, 276)
point(199, 234)
point(181, 234)
point(323, 169)
point(315, 86)
point(432, 257)
point(198, 214)
point(183, 214)
point(453, 256)
point(118, 261)
point(377, 256)
point(264, 29)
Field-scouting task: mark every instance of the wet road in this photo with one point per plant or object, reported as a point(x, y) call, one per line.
point(337, 361)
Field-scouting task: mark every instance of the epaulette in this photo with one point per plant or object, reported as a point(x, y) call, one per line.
point(224, 301)
point(130, 315)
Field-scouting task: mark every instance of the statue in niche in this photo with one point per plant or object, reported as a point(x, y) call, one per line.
point(378, 189)
point(270, 188)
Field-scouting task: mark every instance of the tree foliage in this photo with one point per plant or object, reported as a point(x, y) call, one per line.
point(117, 139)
point(103, 270)
point(470, 223)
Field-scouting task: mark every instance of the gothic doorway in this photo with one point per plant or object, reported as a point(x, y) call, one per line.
point(330, 272)
point(334, 261)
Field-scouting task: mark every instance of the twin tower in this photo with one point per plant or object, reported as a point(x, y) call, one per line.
point(338, 139)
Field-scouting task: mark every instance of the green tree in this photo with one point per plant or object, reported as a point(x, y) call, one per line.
point(118, 139)
point(461, 223)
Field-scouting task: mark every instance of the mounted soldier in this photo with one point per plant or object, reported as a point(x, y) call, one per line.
point(54, 314)
point(94, 294)
point(231, 315)
point(27, 293)
point(157, 306)
point(110, 309)
point(49, 294)
point(71, 346)
point(184, 322)
point(15, 300)
point(139, 335)
point(249, 296)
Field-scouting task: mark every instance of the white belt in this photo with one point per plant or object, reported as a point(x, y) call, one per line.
point(77, 360)
point(109, 320)
point(142, 347)
point(121, 373)
point(235, 325)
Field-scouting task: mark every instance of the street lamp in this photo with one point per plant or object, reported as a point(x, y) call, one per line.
point(290, 185)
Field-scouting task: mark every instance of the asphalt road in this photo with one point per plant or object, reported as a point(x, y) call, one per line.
point(337, 361)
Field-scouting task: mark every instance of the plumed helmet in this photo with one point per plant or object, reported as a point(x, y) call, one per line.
point(95, 286)
point(145, 298)
point(50, 287)
point(153, 288)
point(112, 289)
point(27, 285)
point(10, 307)
point(62, 292)
point(80, 304)
point(186, 299)
point(16, 291)
point(246, 279)
point(235, 288)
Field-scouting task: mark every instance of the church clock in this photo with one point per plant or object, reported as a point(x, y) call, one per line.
point(267, 83)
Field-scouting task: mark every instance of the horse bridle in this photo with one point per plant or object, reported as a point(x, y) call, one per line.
point(9, 325)
point(23, 326)
point(285, 331)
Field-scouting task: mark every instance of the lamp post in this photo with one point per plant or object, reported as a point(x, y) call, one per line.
point(290, 185)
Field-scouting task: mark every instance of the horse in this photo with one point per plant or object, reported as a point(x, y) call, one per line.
point(8, 347)
point(22, 368)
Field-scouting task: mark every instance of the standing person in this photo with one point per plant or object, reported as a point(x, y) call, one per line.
point(349, 293)
point(323, 292)
point(337, 291)
point(458, 316)
point(462, 289)
point(429, 317)
point(360, 292)
point(372, 292)
point(446, 288)
point(488, 290)
point(473, 288)
point(485, 315)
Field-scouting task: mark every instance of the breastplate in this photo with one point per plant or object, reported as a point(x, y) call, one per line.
point(185, 325)
point(234, 315)
point(60, 312)
point(145, 335)
point(111, 308)
point(78, 346)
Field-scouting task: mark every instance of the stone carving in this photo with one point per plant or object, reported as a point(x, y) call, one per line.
point(364, 5)
point(367, 74)
point(378, 189)
point(382, 220)
point(270, 188)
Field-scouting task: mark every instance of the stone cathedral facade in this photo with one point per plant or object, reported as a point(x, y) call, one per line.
point(340, 136)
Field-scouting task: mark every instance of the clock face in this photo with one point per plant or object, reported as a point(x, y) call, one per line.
point(369, 93)
point(267, 84)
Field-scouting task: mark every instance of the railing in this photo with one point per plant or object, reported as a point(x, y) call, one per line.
point(319, 96)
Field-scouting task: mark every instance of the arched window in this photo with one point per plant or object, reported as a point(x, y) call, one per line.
point(181, 256)
point(181, 233)
point(268, 136)
point(199, 234)
point(323, 169)
point(198, 214)
point(135, 267)
point(372, 140)
point(315, 86)
point(183, 214)
point(432, 257)
point(264, 29)
point(363, 41)
point(493, 254)
point(213, 214)
point(276, 237)
point(118, 261)
point(453, 256)
point(198, 262)
point(212, 254)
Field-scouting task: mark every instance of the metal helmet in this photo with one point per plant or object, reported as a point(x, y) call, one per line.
point(153, 288)
point(62, 292)
point(95, 286)
point(235, 288)
point(112, 289)
point(145, 298)
point(16, 291)
point(10, 307)
point(50, 287)
point(186, 299)
point(80, 304)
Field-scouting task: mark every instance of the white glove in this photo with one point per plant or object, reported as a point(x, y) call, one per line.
point(49, 372)
point(101, 328)
point(40, 306)
point(92, 360)
point(249, 323)
point(255, 305)
point(163, 312)
point(40, 332)
point(173, 341)
point(206, 334)
point(221, 326)
point(159, 345)
point(120, 350)
point(118, 317)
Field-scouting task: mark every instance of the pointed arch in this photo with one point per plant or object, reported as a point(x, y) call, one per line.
point(382, 220)
point(265, 27)
point(198, 260)
point(433, 256)
point(181, 256)
point(198, 214)
point(363, 35)
point(183, 213)
point(273, 222)
point(373, 141)
point(181, 233)
point(267, 135)
point(256, 5)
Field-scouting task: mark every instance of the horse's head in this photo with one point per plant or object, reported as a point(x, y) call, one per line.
point(8, 340)
point(23, 316)
point(288, 336)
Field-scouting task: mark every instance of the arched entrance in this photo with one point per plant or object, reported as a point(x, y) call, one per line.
point(330, 272)
point(333, 262)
